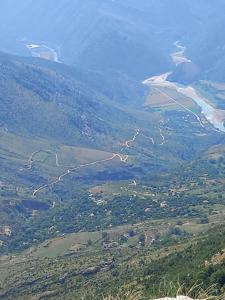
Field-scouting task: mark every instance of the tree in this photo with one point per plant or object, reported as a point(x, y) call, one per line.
point(89, 242)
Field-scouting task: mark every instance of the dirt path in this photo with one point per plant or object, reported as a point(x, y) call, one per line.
point(57, 160)
point(162, 136)
point(153, 141)
point(31, 159)
point(128, 143)
point(122, 158)
point(32, 156)
point(69, 171)
point(149, 138)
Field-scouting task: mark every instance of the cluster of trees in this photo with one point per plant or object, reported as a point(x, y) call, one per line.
point(189, 267)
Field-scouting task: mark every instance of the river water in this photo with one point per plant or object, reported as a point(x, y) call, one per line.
point(214, 116)
point(43, 51)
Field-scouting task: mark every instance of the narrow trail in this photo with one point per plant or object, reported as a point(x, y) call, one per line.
point(32, 156)
point(149, 138)
point(162, 136)
point(57, 160)
point(30, 160)
point(175, 101)
point(122, 158)
point(128, 143)
point(69, 171)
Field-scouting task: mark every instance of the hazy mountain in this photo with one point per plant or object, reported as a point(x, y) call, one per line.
point(124, 36)
point(112, 151)
point(54, 105)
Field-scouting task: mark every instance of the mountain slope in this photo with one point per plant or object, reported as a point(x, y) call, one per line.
point(121, 36)
point(109, 182)
point(99, 35)
point(62, 135)
point(50, 102)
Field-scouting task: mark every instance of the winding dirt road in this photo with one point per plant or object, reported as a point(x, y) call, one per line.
point(56, 160)
point(149, 138)
point(122, 158)
point(31, 160)
point(162, 136)
point(128, 143)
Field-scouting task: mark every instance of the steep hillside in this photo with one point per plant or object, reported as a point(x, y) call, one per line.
point(52, 122)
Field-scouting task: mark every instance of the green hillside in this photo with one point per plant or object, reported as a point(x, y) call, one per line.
point(189, 264)
point(57, 144)
point(112, 149)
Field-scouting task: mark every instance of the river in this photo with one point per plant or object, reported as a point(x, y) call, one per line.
point(214, 116)
point(43, 51)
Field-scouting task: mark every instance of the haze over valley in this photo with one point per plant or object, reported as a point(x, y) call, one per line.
point(112, 149)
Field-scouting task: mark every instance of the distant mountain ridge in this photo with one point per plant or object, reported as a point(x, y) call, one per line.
point(122, 36)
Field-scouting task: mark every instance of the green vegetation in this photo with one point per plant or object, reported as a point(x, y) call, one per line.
point(51, 97)
point(74, 267)
point(98, 198)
